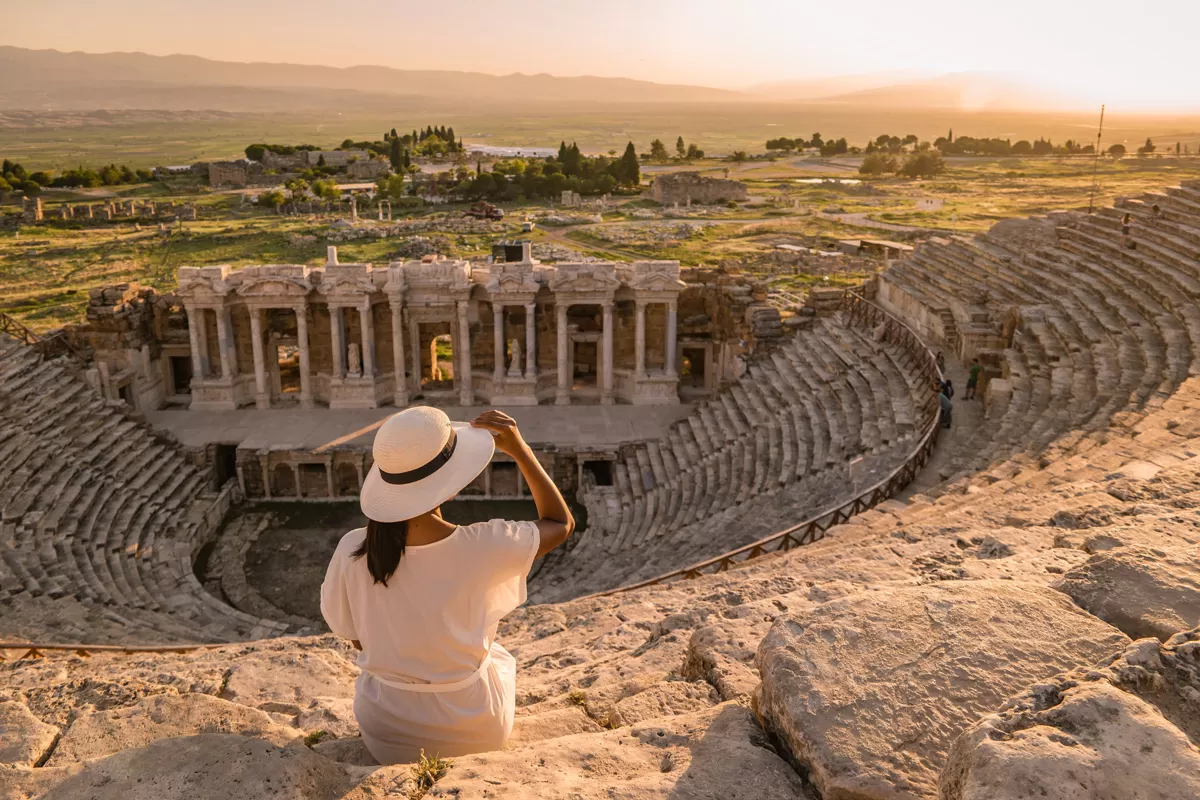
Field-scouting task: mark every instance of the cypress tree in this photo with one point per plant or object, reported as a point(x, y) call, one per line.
point(396, 157)
point(630, 170)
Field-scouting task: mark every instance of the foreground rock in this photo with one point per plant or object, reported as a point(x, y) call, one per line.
point(24, 739)
point(207, 766)
point(869, 691)
point(718, 753)
point(1141, 590)
point(164, 716)
point(1089, 734)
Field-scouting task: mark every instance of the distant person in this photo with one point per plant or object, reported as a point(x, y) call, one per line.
point(973, 379)
point(948, 388)
point(1126, 238)
point(947, 408)
point(941, 362)
point(421, 597)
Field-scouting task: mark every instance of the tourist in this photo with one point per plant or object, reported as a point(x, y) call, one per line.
point(948, 388)
point(941, 362)
point(421, 597)
point(973, 379)
point(947, 408)
point(1126, 239)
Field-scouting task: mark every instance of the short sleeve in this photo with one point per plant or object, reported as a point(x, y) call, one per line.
point(335, 603)
point(510, 549)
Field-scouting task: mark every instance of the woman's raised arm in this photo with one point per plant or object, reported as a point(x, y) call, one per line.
point(555, 522)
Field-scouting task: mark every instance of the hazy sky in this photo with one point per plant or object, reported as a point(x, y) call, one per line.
point(1128, 54)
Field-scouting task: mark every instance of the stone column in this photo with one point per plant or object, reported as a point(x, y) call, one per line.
point(671, 337)
point(337, 333)
point(465, 396)
point(366, 325)
point(196, 339)
point(400, 395)
point(606, 375)
point(414, 335)
point(530, 341)
point(306, 398)
point(225, 343)
point(261, 398)
point(562, 396)
point(498, 347)
point(639, 345)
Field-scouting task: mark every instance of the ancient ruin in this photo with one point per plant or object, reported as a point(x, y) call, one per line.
point(787, 586)
point(685, 188)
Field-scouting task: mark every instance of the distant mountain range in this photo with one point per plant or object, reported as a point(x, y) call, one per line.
point(52, 80)
point(49, 80)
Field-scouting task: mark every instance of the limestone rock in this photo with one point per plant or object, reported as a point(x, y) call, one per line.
point(347, 751)
point(205, 766)
point(869, 691)
point(550, 725)
point(100, 733)
point(717, 753)
point(1143, 591)
point(334, 715)
point(24, 739)
point(661, 700)
point(1106, 733)
point(289, 682)
point(1092, 741)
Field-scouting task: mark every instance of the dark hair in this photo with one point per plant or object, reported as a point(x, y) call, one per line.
point(383, 547)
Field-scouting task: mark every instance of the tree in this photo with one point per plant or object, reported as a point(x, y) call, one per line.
point(658, 150)
point(816, 140)
point(629, 172)
point(1147, 148)
point(5, 186)
point(694, 152)
point(924, 163)
point(394, 133)
point(1021, 148)
point(680, 148)
point(30, 188)
point(273, 198)
point(396, 156)
point(326, 190)
point(255, 152)
point(1117, 150)
point(739, 156)
point(298, 187)
point(391, 187)
point(877, 164)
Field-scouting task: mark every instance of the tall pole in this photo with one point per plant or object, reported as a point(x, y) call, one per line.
point(1096, 161)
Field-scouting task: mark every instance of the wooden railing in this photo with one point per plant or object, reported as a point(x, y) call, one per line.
point(860, 311)
point(50, 346)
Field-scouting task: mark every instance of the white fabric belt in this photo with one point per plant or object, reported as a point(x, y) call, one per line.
point(437, 687)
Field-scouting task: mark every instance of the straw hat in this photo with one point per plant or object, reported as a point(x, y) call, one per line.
point(422, 459)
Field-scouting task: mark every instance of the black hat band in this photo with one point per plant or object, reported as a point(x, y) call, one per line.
point(425, 470)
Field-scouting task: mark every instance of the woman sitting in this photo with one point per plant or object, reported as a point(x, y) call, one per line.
point(421, 597)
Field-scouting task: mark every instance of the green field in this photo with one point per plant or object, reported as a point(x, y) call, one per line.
point(46, 270)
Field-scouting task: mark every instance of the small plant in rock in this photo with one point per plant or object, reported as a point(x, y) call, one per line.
point(577, 698)
point(316, 736)
point(426, 772)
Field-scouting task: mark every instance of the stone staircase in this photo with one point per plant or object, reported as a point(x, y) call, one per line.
point(823, 417)
point(100, 518)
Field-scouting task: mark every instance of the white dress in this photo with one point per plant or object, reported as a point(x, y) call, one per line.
point(433, 676)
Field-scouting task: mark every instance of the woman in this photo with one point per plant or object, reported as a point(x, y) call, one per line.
point(421, 597)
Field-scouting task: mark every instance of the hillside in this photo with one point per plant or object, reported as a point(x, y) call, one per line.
point(48, 79)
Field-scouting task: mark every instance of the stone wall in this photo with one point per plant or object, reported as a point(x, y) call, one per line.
point(691, 187)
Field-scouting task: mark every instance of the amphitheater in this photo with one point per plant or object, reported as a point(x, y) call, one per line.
point(787, 585)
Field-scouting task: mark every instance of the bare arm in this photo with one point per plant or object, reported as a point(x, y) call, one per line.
point(555, 522)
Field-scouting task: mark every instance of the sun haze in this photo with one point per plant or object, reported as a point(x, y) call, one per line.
point(1080, 59)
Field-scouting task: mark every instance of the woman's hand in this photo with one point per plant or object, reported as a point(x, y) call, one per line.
point(504, 429)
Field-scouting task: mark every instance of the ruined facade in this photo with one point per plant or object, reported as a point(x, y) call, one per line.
point(449, 331)
point(686, 188)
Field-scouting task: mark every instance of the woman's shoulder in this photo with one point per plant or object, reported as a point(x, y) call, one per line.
point(350, 542)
